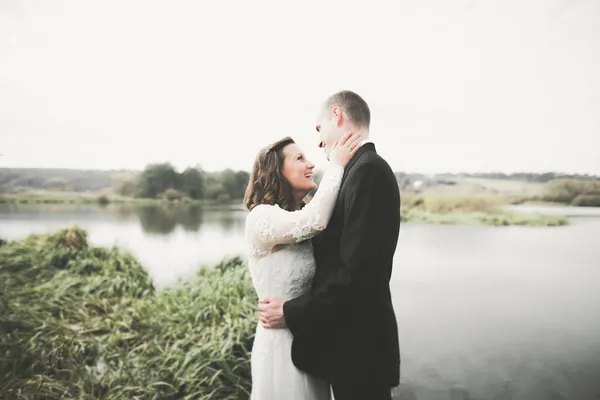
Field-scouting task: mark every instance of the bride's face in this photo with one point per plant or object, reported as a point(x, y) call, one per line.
point(297, 170)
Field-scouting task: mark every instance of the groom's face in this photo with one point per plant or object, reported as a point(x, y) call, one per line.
point(329, 127)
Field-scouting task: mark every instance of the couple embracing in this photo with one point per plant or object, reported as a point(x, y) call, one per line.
point(321, 267)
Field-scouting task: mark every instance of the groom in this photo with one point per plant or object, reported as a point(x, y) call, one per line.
point(345, 329)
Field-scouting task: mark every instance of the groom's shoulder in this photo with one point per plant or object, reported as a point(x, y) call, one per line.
point(373, 161)
point(370, 166)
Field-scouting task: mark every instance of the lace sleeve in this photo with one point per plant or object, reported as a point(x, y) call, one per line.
point(269, 225)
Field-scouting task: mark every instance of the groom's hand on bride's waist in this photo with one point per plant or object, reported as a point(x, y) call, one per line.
point(270, 313)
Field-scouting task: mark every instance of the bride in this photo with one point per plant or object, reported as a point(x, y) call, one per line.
point(278, 228)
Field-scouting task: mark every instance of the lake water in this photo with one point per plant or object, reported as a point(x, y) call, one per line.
point(483, 312)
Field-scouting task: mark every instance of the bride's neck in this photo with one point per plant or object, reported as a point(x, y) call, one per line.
point(298, 198)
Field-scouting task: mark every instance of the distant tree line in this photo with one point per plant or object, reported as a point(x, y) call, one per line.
point(162, 180)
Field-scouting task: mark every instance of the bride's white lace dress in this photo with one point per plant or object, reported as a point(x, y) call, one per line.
point(282, 265)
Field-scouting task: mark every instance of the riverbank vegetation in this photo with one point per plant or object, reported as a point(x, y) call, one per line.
point(476, 209)
point(43, 197)
point(573, 192)
point(85, 322)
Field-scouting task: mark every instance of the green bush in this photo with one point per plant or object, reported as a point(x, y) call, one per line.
point(85, 322)
point(567, 190)
point(587, 200)
point(103, 200)
point(172, 195)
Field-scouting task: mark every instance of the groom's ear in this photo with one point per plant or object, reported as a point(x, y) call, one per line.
point(337, 114)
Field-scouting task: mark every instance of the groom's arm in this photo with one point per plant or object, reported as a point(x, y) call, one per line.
point(359, 240)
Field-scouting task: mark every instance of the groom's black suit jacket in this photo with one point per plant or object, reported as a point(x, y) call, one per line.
point(345, 329)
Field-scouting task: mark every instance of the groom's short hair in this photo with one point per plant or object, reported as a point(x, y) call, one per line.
point(355, 106)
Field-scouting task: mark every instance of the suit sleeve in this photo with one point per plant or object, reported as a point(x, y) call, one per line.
point(311, 312)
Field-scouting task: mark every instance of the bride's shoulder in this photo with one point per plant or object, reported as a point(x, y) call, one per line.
point(260, 218)
point(261, 210)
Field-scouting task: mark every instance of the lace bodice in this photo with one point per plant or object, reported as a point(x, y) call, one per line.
point(281, 258)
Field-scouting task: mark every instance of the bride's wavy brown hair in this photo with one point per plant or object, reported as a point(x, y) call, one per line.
point(267, 185)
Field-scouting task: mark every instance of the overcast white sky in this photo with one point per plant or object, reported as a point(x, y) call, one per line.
point(470, 85)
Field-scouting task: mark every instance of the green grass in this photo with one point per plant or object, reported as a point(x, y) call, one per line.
point(82, 322)
point(481, 218)
point(471, 210)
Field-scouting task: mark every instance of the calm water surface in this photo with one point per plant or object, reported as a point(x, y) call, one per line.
point(484, 312)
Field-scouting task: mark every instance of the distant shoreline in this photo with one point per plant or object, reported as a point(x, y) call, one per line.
point(438, 210)
point(78, 199)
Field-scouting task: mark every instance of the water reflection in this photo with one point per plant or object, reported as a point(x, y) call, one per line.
point(161, 220)
point(164, 220)
point(170, 241)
